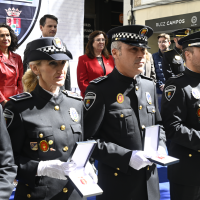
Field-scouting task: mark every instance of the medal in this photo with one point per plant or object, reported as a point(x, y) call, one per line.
point(195, 93)
point(198, 112)
point(148, 97)
point(74, 114)
point(44, 146)
point(120, 98)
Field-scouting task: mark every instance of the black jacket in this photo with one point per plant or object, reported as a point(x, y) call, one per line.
point(181, 119)
point(118, 129)
point(8, 170)
point(36, 119)
point(67, 85)
point(172, 63)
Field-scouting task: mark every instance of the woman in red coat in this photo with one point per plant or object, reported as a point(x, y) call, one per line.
point(11, 67)
point(96, 62)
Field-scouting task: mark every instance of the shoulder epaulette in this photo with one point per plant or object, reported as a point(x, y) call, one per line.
point(178, 75)
point(99, 79)
point(22, 96)
point(147, 77)
point(168, 50)
point(72, 94)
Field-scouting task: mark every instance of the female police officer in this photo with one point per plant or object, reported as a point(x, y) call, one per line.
point(44, 125)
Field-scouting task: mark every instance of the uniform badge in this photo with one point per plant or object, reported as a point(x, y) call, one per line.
point(143, 32)
point(8, 115)
point(74, 114)
point(148, 97)
point(177, 60)
point(89, 100)
point(57, 42)
point(195, 93)
point(44, 146)
point(169, 92)
point(120, 98)
point(34, 146)
point(198, 112)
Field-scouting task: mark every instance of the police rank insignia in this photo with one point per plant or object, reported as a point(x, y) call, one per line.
point(195, 93)
point(143, 32)
point(169, 92)
point(44, 146)
point(89, 100)
point(148, 97)
point(18, 97)
point(34, 146)
point(74, 114)
point(8, 115)
point(120, 98)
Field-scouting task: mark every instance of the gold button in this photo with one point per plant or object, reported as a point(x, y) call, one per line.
point(118, 168)
point(116, 174)
point(41, 135)
point(56, 108)
point(62, 128)
point(199, 105)
point(137, 88)
point(28, 195)
point(140, 107)
point(26, 184)
point(190, 155)
point(148, 168)
point(50, 142)
point(143, 126)
point(65, 190)
point(65, 148)
point(198, 150)
point(122, 115)
point(153, 111)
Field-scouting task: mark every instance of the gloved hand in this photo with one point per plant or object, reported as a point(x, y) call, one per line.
point(139, 160)
point(55, 169)
point(91, 171)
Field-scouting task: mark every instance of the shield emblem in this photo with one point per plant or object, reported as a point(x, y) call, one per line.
point(21, 16)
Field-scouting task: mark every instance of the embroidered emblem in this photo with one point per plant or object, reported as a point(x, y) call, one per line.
point(148, 97)
point(120, 98)
point(34, 146)
point(195, 93)
point(74, 114)
point(89, 100)
point(169, 92)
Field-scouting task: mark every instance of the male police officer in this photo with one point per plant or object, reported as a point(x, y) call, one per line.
point(181, 118)
point(172, 62)
point(118, 107)
point(48, 27)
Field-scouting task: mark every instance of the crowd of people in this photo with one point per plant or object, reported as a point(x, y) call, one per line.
point(121, 95)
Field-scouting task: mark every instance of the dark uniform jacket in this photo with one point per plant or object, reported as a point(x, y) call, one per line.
point(67, 85)
point(172, 63)
point(118, 129)
point(43, 117)
point(181, 119)
point(8, 169)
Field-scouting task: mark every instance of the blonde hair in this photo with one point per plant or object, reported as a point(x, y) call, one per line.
point(147, 55)
point(30, 79)
point(166, 36)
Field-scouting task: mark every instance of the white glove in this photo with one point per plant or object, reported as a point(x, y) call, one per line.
point(91, 172)
point(55, 169)
point(139, 160)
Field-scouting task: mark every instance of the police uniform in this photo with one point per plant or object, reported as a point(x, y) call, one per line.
point(117, 110)
point(8, 169)
point(181, 119)
point(173, 62)
point(43, 127)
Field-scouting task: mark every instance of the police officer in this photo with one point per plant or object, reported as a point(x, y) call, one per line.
point(118, 107)
point(44, 125)
point(172, 62)
point(8, 169)
point(181, 118)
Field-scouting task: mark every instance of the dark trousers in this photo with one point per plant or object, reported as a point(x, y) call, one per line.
point(184, 192)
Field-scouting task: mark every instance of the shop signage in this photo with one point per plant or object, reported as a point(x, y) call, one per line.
point(191, 20)
point(88, 28)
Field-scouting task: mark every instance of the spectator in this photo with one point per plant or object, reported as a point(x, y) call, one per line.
point(163, 45)
point(48, 27)
point(149, 69)
point(11, 67)
point(96, 62)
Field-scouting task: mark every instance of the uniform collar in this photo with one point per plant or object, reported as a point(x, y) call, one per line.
point(191, 73)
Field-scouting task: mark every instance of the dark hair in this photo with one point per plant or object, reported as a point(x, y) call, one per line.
point(166, 36)
point(14, 40)
point(43, 19)
point(190, 49)
point(89, 50)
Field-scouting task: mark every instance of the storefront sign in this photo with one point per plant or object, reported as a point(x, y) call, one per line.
point(88, 28)
point(191, 20)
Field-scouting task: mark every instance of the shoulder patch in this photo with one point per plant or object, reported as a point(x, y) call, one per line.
point(72, 94)
point(8, 115)
point(89, 100)
point(22, 96)
point(99, 79)
point(170, 91)
point(178, 75)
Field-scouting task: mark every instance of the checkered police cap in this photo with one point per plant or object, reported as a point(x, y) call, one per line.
point(52, 49)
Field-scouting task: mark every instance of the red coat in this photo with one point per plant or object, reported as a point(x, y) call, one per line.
point(11, 72)
point(89, 69)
